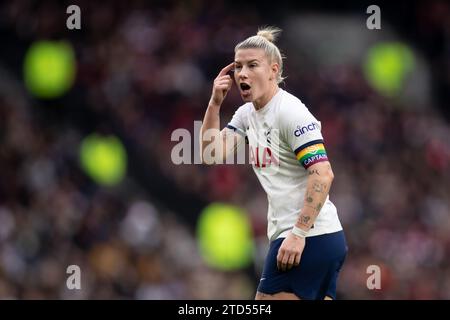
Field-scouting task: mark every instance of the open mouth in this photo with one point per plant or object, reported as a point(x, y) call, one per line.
point(244, 87)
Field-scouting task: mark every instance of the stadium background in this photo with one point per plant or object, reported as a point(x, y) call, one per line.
point(85, 129)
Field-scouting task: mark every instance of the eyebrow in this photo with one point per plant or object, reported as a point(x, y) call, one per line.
point(250, 61)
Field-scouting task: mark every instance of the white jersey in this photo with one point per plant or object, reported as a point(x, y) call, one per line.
point(284, 139)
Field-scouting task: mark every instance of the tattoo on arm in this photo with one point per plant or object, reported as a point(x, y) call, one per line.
point(319, 207)
point(316, 207)
point(315, 196)
point(304, 220)
point(320, 187)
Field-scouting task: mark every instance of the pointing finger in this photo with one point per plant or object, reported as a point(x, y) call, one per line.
point(225, 70)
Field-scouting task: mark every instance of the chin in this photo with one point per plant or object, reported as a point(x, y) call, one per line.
point(247, 98)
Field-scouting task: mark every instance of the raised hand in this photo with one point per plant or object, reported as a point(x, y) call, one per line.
point(222, 84)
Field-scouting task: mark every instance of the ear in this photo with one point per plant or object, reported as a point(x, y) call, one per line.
point(275, 68)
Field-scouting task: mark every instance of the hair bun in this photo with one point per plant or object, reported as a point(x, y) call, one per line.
point(269, 33)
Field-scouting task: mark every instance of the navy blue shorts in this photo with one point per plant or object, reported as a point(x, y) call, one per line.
point(317, 274)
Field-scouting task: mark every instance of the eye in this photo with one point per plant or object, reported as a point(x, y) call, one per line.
point(237, 67)
point(252, 65)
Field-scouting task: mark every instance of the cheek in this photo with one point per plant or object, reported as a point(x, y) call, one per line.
point(263, 79)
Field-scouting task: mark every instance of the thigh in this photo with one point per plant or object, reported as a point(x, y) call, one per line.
point(272, 280)
point(330, 286)
point(328, 255)
point(315, 275)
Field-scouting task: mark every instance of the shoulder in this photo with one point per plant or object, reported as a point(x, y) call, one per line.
point(291, 108)
point(244, 110)
point(239, 122)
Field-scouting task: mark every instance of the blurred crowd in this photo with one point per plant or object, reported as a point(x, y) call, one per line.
point(146, 70)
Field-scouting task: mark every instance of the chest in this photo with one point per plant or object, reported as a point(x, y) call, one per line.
point(264, 142)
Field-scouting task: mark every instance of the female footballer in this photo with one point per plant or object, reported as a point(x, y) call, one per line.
point(287, 153)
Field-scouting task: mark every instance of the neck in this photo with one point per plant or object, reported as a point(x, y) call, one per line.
point(260, 103)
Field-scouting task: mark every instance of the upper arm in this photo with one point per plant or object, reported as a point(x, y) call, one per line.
point(239, 122)
point(302, 132)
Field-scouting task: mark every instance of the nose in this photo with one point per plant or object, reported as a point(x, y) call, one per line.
point(242, 74)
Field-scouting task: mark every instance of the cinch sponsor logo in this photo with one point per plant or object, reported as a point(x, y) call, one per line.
point(302, 130)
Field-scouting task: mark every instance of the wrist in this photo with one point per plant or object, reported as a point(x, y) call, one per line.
point(299, 232)
point(213, 105)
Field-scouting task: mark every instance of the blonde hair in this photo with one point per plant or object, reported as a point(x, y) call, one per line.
point(265, 39)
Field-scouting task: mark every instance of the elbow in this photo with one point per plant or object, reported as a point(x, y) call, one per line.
point(206, 159)
point(327, 174)
point(331, 175)
point(202, 160)
point(203, 145)
point(206, 162)
point(210, 159)
point(211, 154)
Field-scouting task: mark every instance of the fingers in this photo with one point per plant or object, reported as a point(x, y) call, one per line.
point(291, 261)
point(227, 76)
point(225, 70)
point(224, 83)
point(282, 260)
point(297, 260)
point(223, 87)
point(286, 260)
point(280, 257)
point(223, 78)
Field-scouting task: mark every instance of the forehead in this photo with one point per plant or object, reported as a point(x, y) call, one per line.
point(245, 55)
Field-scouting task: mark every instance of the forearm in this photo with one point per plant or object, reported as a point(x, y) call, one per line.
point(211, 123)
point(318, 187)
point(210, 130)
point(211, 119)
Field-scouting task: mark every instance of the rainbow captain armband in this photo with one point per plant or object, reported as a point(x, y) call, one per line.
point(311, 153)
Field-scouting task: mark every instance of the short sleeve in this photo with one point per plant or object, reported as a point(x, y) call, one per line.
point(302, 132)
point(239, 121)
